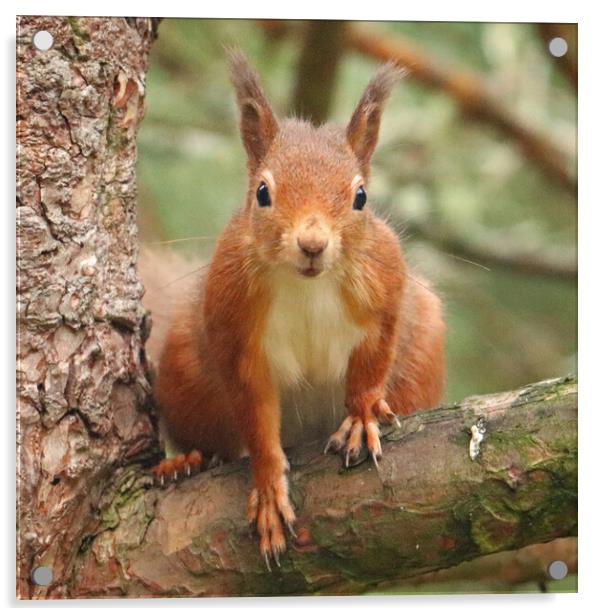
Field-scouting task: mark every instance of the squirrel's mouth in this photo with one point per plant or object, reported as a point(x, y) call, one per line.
point(310, 272)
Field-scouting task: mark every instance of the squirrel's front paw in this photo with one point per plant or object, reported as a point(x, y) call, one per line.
point(362, 419)
point(268, 504)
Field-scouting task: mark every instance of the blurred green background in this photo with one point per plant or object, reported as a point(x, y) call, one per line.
point(456, 183)
point(483, 194)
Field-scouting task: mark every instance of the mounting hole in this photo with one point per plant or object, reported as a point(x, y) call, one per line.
point(557, 570)
point(42, 576)
point(558, 47)
point(43, 40)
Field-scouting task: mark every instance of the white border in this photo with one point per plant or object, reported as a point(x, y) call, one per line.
point(425, 10)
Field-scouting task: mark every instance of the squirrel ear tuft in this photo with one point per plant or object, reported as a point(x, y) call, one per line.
point(362, 130)
point(258, 124)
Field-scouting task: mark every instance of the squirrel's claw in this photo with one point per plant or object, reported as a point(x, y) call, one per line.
point(339, 438)
point(375, 459)
point(383, 413)
point(266, 557)
point(333, 445)
point(350, 434)
point(214, 461)
point(172, 469)
point(268, 506)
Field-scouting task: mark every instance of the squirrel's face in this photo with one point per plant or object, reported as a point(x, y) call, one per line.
point(306, 201)
point(307, 185)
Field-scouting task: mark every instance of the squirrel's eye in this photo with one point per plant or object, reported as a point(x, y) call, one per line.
point(263, 195)
point(360, 199)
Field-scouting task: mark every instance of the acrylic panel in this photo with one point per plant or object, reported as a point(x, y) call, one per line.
point(296, 307)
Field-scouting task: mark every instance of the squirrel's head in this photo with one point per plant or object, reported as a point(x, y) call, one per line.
point(307, 197)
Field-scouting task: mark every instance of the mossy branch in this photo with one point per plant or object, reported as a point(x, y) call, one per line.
point(427, 507)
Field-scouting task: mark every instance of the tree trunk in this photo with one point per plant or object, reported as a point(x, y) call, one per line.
point(81, 380)
point(321, 53)
point(427, 507)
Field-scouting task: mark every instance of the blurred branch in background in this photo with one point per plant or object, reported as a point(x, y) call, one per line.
point(470, 92)
point(493, 251)
point(568, 62)
point(466, 88)
point(502, 571)
point(323, 46)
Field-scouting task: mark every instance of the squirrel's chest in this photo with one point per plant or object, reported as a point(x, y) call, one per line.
point(309, 334)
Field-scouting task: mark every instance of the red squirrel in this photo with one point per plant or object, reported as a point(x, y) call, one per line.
point(307, 312)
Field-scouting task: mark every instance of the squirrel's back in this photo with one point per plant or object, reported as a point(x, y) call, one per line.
point(171, 284)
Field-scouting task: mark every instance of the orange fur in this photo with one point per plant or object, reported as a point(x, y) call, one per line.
point(223, 367)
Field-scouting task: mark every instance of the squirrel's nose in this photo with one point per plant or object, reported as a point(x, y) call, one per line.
point(312, 246)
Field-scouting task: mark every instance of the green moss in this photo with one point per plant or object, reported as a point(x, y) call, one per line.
point(485, 522)
point(127, 495)
point(542, 505)
point(492, 534)
point(80, 39)
point(377, 542)
point(500, 446)
point(564, 441)
point(563, 469)
point(117, 137)
point(77, 29)
point(547, 390)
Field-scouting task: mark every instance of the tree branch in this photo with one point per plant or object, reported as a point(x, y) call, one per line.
point(493, 253)
point(568, 62)
point(498, 572)
point(427, 507)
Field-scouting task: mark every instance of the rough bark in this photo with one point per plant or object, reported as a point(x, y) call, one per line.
point(81, 383)
point(427, 507)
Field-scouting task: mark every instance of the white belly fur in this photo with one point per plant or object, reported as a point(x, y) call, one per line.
point(309, 334)
point(308, 339)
